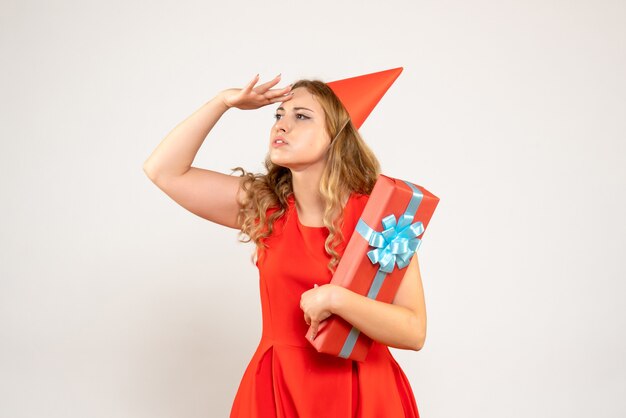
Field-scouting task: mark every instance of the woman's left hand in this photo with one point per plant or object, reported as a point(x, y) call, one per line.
point(316, 304)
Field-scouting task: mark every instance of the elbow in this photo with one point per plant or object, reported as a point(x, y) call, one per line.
point(418, 334)
point(418, 342)
point(149, 171)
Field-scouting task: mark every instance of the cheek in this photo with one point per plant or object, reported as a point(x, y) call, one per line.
point(323, 142)
point(317, 145)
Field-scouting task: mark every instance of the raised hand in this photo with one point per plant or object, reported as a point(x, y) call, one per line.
point(251, 97)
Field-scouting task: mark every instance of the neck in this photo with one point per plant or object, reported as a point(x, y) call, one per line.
point(309, 201)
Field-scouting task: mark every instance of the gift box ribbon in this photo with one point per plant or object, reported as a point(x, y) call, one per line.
point(395, 245)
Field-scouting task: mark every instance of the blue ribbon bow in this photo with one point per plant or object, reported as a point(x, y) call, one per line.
point(396, 244)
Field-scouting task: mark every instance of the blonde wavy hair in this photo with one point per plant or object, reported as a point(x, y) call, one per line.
point(351, 166)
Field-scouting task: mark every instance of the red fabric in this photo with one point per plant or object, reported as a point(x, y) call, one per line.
point(287, 377)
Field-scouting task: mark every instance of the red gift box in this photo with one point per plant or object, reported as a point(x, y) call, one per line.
point(375, 259)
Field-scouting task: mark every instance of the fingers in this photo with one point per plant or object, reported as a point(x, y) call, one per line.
point(280, 93)
point(312, 322)
point(284, 90)
point(262, 88)
point(251, 84)
point(282, 98)
point(268, 95)
point(314, 326)
point(273, 95)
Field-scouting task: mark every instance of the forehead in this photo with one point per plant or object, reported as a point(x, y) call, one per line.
point(302, 98)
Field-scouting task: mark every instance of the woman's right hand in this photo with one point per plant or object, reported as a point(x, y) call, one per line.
point(251, 97)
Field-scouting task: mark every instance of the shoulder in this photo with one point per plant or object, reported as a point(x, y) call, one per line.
point(354, 207)
point(351, 214)
point(278, 221)
point(359, 197)
point(358, 201)
point(276, 206)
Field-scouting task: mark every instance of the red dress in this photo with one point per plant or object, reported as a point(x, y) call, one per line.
point(287, 377)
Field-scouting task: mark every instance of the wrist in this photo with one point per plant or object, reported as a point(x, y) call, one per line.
point(221, 98)
point(337, 297)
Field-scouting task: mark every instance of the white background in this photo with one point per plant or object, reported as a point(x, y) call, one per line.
point(117, 302)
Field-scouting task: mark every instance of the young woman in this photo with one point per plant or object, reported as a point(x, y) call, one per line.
point(300, 215)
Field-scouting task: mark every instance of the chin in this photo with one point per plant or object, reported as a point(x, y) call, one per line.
point(278, 162)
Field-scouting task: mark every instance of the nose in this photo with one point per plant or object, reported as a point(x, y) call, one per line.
point(281, 125)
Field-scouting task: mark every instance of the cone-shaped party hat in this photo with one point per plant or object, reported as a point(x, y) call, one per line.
point(361, 94)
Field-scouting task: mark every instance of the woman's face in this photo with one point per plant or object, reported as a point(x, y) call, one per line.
point(298, 139)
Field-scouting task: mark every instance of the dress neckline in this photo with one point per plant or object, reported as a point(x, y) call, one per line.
point(295, 211)
point(292, 201)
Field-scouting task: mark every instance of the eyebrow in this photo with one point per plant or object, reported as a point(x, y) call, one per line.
point(297, 108)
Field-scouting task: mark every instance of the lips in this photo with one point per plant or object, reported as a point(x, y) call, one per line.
point(279, 141)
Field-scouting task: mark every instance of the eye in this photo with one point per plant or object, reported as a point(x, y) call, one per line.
point(301, 116)
point(277, 116)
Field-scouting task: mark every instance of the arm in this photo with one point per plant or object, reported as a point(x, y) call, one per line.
point(400, 324)
point(206, 193)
